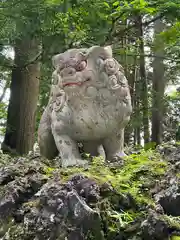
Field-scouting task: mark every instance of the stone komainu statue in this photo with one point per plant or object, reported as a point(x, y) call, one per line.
point(89, 103)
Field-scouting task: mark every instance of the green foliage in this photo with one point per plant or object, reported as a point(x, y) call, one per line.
point(172, 34)
point(136, 176)
point(3, 110)
point(15, 230)
point(150, 145)
point(173, 222)
point(4, 159)
point(123, 219)
point(62, 24)
point(175, 95)
point(175, 237)
point(132, 177)
point(120, 220)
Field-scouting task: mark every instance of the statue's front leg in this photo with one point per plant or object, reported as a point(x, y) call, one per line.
point(114, 146)
point(68, 150)
point(45, 138)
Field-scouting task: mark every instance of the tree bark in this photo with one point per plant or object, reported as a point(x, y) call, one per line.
point(136, 105)
point(158, 85)
point(24, 96)
point(13, 108)
point(131, 76)
point(143, 83)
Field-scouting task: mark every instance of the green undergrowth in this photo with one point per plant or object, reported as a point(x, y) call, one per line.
point(4, 159)
point(175, 238)
point(136, 176)
point(173, 222)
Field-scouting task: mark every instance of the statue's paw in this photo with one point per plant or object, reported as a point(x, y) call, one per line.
point(83, 163)
point(117, 159)
point(121, 155)
point(75, 163)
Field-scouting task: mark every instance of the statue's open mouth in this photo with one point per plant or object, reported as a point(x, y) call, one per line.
point(75, 83)
point(72, 84)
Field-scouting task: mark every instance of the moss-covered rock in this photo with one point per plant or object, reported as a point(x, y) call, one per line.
point(40, 200)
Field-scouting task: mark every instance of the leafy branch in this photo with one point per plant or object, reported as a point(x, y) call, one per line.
point(112, 34)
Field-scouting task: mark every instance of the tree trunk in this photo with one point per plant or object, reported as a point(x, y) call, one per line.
point(158, 85)
point(136, 105)
point(131, 76)
point(143, 83)
point(24, 96)
point(12, 126)
point(126, 66)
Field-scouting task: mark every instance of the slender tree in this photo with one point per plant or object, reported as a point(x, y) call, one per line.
point(143, 81)
point(158, 84)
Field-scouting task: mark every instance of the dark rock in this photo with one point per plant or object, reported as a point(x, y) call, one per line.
point(167, 190)
point(169, 198)
point(171, 151)
point(154, 228)
point(38, 201)
point(63, 213)
point(86, 188)
point(6, 175)
point(159, 209)
point(106, 189)
point(17, 192)
point(119, 236)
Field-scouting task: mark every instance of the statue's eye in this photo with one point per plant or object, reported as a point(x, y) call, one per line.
point(71, 62)
point(81, 66)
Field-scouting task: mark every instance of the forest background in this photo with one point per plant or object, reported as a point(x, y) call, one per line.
point(145, 36)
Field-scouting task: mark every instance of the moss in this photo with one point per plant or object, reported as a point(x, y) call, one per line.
point(4, 159)
point(173, 222)
point(175, 237)
point(5, 226)
point(48, 171)
point(16, 232)
point(68, 172)
point(136, 176)
point(178, 175)
point(120, 220)
point(31, 204)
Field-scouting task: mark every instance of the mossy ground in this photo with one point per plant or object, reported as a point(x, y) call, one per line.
point(136, 177)
point(138, 174)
